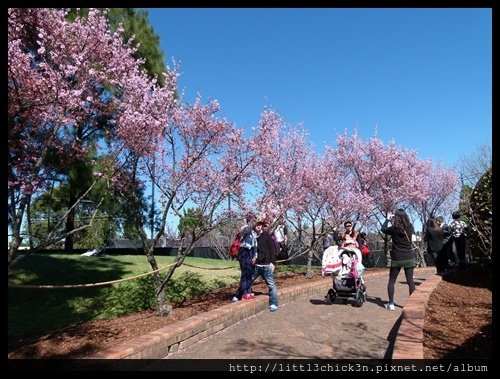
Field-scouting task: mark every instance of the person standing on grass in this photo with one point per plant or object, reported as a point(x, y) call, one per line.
point(266, 262)
point(401, 253)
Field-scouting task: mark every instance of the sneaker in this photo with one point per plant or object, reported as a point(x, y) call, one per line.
point(273, 308)
point(234, 299)
point(248, 296)
point(390, 306)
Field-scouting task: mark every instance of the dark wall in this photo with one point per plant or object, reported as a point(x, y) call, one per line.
point(376, 258)
point(200, 252)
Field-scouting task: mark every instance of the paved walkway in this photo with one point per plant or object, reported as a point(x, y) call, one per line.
point(310, 328)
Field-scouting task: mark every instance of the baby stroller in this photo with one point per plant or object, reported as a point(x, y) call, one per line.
point(345, 267)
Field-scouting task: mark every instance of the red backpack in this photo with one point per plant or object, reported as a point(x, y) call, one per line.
point(365, 249)
point(235, 247)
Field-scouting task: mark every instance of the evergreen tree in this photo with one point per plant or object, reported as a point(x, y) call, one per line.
point(136, 26)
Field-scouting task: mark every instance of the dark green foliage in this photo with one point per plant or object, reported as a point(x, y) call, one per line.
point(187, 285)
point(137, 23)
point(113, 214)
point(132, 296)
point(480, 218)
point(190, 220)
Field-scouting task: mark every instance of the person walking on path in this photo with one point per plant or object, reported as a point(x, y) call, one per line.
point(401, 253)
point(266, 262)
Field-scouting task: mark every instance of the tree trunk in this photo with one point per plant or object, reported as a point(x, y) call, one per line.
point(70, 221)
point(16, 222)
point(310, 271)
point(163, 307)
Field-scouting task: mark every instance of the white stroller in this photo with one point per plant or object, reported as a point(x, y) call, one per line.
point(346, 269)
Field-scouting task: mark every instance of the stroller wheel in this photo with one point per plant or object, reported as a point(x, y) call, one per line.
point(360, 298)
point(330, 296)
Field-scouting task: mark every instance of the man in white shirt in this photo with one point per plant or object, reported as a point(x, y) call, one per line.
point(281, 238)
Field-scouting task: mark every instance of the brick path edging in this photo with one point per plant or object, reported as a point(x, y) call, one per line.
point(409, 343)
point(169, 339)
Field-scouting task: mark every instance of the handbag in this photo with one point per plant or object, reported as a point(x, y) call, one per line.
point(234, 250)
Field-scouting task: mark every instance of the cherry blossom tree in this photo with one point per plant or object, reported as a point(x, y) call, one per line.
point(326, 201)
point(62, 76)
point(442, 192)
point(388, 176)
point(314, 209)
point(344, 190)
point(278, 165)
point(198, 162)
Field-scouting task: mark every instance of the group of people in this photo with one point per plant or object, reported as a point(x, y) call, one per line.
point(348, 238)
point(441, 239)
point(259, 250)
point(257, 257)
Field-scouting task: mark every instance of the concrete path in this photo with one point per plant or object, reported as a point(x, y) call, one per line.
point(310, 328)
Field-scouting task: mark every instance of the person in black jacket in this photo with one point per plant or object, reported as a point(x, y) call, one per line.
point(401, 231)
point(266, 262)
point(434, 238)
point(459, 231)
point(446, 254)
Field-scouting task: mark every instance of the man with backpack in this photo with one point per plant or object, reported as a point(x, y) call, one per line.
point(246, 256)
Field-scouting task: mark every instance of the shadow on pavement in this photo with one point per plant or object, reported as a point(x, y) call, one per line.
point(392, 338)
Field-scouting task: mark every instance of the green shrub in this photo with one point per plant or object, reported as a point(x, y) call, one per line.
point(187, 285)
point(480, 219)
point(128, 297)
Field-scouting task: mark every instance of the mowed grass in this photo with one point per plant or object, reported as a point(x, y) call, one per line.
point(60, 269)
point(34, 310)
point(38, 309)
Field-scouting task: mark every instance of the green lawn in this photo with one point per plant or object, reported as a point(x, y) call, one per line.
point(40, 310)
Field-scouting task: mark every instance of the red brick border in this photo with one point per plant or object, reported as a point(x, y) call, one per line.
point(410, 336)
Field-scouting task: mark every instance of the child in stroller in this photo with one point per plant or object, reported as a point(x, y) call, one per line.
point(344, 265)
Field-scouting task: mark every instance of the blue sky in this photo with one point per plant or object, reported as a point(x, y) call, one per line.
point(420, 77)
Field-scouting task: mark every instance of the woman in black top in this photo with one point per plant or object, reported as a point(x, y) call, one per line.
point(401, 231)
point(434, 237)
